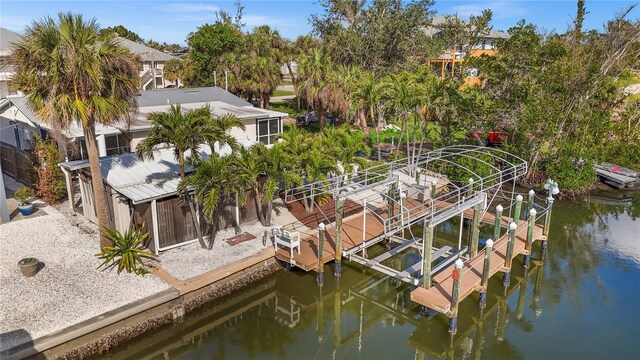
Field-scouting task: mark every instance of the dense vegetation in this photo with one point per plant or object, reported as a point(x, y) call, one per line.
point(559, 96)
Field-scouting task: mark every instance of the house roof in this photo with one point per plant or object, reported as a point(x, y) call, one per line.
point(187, 96)
point(143, 180)
point(7, 38)
point(145, 52)
point(440, 20)
point(73, 131)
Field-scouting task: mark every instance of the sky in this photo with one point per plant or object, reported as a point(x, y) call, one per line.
point(172, 20)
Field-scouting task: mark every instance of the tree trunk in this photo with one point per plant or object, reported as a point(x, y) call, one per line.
point(321, 119)
point(268, 214)
point(187, 198)
point(194, 217)
point(258, 203)
point(100, 201)
point(402, 131)
point(294, 81)
point(378, 144)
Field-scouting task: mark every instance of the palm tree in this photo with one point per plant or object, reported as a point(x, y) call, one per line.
point(217, 180)
point(347, 148)
point(187, 132)
point(316, 165)
point(71, 74)
point(314, 70)
point(403, 98)
point(173, 70)
point(267, 167)
point(368, 96)
point(341, 82)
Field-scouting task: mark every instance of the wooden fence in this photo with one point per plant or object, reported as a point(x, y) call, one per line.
point(15, 163)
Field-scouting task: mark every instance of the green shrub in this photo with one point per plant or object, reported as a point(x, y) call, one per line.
point(571, 174)
point(50, 183)
point(128, 252)
point(23, 194)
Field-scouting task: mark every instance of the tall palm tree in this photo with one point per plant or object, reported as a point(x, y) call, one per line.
point(368, 96)
point(72, 75)
point(340, 83)
point(346, 147)
point(314, 70)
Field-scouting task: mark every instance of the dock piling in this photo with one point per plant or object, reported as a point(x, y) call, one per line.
point(475, 231)
point(485, 274)
point(427, 239)
point(531, 202)
point(339, 215)
point(518, 208)
point(547, 224)
point(470, 189)
point(496, 229)
point(321, 238)
point(455, 292)
point(531, 225)
point(434, 188)
point(506, 278)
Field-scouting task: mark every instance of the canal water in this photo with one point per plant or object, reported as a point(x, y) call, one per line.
point(581, 300)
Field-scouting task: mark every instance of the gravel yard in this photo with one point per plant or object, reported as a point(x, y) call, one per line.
point(68, 289)
point(191, 260)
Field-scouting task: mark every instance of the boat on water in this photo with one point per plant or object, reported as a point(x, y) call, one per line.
point(615, 175)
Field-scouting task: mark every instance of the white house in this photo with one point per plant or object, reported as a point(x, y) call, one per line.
point(7, 38)
point(152, 67)
point(18, 122)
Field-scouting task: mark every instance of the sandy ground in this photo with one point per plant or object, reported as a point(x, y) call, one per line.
point(202, 260)
point(68, 289)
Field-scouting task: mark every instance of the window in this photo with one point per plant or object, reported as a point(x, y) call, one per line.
point(116, 144)
point(267, 130)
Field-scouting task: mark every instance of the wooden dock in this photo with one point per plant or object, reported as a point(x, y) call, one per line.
point(352, 225)
point(438, 297)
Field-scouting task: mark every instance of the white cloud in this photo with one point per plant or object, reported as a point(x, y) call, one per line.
point(252, 21)
point(501, 9)
point(181, 7)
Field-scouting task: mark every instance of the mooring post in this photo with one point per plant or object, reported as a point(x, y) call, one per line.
point(498, 220)
point(470, 188)
point(531, 202)
point(529, 245)
point(321, 238)
point(547, 224)
point(518, 208)
point(502, 318)
point(506, 278)
point(475, 230)
point(391, 201)
point(417, 175)
point(434, 189)
point(427, 240)
point(402, 194)
point(339, 213)
point(485, 274)
point(455, 292)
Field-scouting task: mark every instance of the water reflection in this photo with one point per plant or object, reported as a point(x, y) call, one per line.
point(546, 312)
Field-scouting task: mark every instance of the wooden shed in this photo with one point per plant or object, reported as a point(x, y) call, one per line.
point(145, 192)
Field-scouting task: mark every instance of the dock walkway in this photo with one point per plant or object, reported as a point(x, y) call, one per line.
point(438, 297)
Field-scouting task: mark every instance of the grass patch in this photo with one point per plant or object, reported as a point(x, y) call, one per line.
point(288, 106)
point(282, 93)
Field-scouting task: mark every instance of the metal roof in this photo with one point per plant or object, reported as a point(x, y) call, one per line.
point(145, 180)
point(187, 96)
point(145, 52)
point(73, 131)
point(7, 38)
